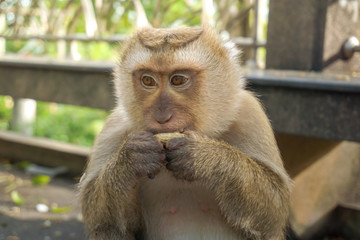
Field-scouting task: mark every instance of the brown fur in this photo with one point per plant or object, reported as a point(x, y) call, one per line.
point(157, 38)
point(223, 180)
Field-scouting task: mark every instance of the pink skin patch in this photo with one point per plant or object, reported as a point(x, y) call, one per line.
point(173, 210)
point(204, 207)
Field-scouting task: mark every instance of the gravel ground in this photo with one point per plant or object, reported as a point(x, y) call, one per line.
point(26, 222)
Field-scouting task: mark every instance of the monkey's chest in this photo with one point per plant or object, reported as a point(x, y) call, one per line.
point(175, 210)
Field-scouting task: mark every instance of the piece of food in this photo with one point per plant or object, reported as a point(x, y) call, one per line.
point(165, 137)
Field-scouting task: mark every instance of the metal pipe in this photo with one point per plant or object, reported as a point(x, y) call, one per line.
point(256, 11)
point(239, 41)
point(350, 46)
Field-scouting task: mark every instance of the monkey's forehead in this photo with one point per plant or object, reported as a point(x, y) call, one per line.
point(155, 38)
point(200, 45)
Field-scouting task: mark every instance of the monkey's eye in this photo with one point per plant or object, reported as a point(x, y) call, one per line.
point(148, 81)
point(178, 80)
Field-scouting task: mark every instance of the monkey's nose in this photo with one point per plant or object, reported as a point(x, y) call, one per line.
point(163, 118)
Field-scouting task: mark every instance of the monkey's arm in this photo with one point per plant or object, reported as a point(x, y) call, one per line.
point(252, 189)
point(108, 192)
point(109, 200)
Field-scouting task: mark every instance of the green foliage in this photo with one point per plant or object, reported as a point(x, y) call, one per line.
point(40, 180)
point(56, 209)
point(5, 112)
point(115, 17)
point(97, 50)
point(78, 125)
point(14, 46)
point(172, 13)
point(68, 123)
point(178, 14)
point(50, 49)
point(17, 198)
point(23, 164)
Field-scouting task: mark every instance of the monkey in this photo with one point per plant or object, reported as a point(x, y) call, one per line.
point(218, 175)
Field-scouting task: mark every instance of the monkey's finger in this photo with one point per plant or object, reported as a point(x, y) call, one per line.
point(190, 133)
point(176, 143)
point(145, 147)
point(175, 159)
point(171, 166)
point(144, 141)
point(181, 170)
point(156, 157)
point(140, 136)
point(154, 170)
point(144, 159)
point(149, 169)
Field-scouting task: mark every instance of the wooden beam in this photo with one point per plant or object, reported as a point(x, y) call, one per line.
point(43, 151)
point(320, 105)
point(78, 83)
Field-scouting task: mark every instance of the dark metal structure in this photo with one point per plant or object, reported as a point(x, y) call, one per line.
point(296, 34)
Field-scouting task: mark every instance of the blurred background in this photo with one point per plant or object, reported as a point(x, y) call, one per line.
point(92, 30)
point(56, 56)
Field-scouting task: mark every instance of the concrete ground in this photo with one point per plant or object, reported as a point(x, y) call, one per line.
point(25, 222)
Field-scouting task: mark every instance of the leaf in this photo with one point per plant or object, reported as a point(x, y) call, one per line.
point(56, 209)
point(17, 198)
point(23, 164)
point(40, 180)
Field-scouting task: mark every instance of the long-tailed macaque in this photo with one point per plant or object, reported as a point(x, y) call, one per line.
point(221, 177)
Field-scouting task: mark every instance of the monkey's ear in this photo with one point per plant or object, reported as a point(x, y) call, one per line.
point(233, 50)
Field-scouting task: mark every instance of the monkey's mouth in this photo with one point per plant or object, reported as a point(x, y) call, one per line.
point(167, 130)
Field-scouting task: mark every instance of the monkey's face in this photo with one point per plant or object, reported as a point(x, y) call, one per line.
point(168, 94)
point(170, 80)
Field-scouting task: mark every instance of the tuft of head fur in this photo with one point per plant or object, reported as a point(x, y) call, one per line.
point(219, 98)
point(159, 38)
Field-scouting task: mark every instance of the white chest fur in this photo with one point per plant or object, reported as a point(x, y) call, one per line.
point(180, 210)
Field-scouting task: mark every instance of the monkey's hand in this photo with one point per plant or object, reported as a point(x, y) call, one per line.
point(145, 153)
point(198, 157)
point(256, 193)
point(182, 154)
